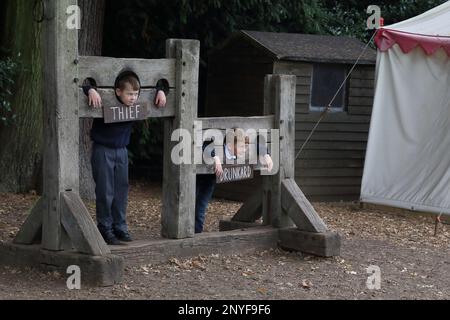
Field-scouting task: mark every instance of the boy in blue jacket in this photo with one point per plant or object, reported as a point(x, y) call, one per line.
point(234, 147)
point(110, 159)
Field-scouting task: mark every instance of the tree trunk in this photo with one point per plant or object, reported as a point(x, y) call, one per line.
point(90, 44)
point(21, 142)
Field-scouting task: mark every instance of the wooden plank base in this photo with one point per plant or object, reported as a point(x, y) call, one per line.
point(96, 271)
point(326, 244)
point(146, 252)
point(108, 270)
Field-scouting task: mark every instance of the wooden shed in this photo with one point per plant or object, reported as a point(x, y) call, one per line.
point(330, 167)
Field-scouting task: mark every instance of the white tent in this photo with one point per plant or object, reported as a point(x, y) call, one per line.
point(408, 153)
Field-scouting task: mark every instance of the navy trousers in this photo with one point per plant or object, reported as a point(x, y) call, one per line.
point(110, 171)
point(204, 192)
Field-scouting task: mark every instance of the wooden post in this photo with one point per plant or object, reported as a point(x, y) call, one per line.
point(178, 214)
point(61, 204)
point(279, 99)
point(61, 129)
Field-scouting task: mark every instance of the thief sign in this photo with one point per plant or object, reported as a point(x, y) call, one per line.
point(122, 113)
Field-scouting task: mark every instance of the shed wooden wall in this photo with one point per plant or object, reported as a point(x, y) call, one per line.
point(331, 166)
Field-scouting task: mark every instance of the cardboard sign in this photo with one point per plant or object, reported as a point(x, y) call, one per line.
point(235, 173)
point(122, 113)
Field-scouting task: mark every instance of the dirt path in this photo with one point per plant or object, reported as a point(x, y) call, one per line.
point(413, 263)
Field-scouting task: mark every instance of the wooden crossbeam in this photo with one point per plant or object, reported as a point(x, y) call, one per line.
point(299, 209)
point(245, 123)
point(109, 100)
point(105, 70)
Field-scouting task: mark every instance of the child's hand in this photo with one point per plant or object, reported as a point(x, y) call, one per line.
point(268, 162)
point(94, 99)
point(161, 99)
point(218, 167)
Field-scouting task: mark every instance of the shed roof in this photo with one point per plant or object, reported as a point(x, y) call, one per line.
point(313, 48)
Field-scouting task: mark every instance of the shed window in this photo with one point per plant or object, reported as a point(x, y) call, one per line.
point(327, 79)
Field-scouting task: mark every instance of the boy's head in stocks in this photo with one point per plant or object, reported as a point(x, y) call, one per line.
point(128, 89)
point(236, 141)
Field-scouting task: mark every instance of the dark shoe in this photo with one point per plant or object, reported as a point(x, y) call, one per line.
point(123, 236)
point(111, 240)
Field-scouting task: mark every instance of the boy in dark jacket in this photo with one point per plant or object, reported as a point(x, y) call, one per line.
point(235, 146)
point(110, 160)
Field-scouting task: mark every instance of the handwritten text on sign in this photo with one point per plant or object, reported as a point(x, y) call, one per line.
point(123, 113)
point(236, 173)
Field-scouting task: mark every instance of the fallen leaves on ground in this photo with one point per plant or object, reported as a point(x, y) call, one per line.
point(349, 219)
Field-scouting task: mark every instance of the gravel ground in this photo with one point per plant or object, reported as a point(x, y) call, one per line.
point(414, 263)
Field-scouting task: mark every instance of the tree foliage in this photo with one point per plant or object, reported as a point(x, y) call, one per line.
point(349, 17)
point(145, 24)
point(21, 150)
point(9, 68)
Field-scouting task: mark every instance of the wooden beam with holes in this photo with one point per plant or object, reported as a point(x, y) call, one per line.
point(105, 70)
point(109, 100)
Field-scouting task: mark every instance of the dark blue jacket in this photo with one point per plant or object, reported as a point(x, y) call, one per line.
point(111, 135)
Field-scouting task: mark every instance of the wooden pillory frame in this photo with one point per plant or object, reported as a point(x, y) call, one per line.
point(59, 231)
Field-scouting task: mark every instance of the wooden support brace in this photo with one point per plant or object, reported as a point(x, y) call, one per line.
point(80, 227)
point(299, 209)
point(32, 228)
point(251, 210)
point(230, 225)
point(245, 218)
point(327, 244)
